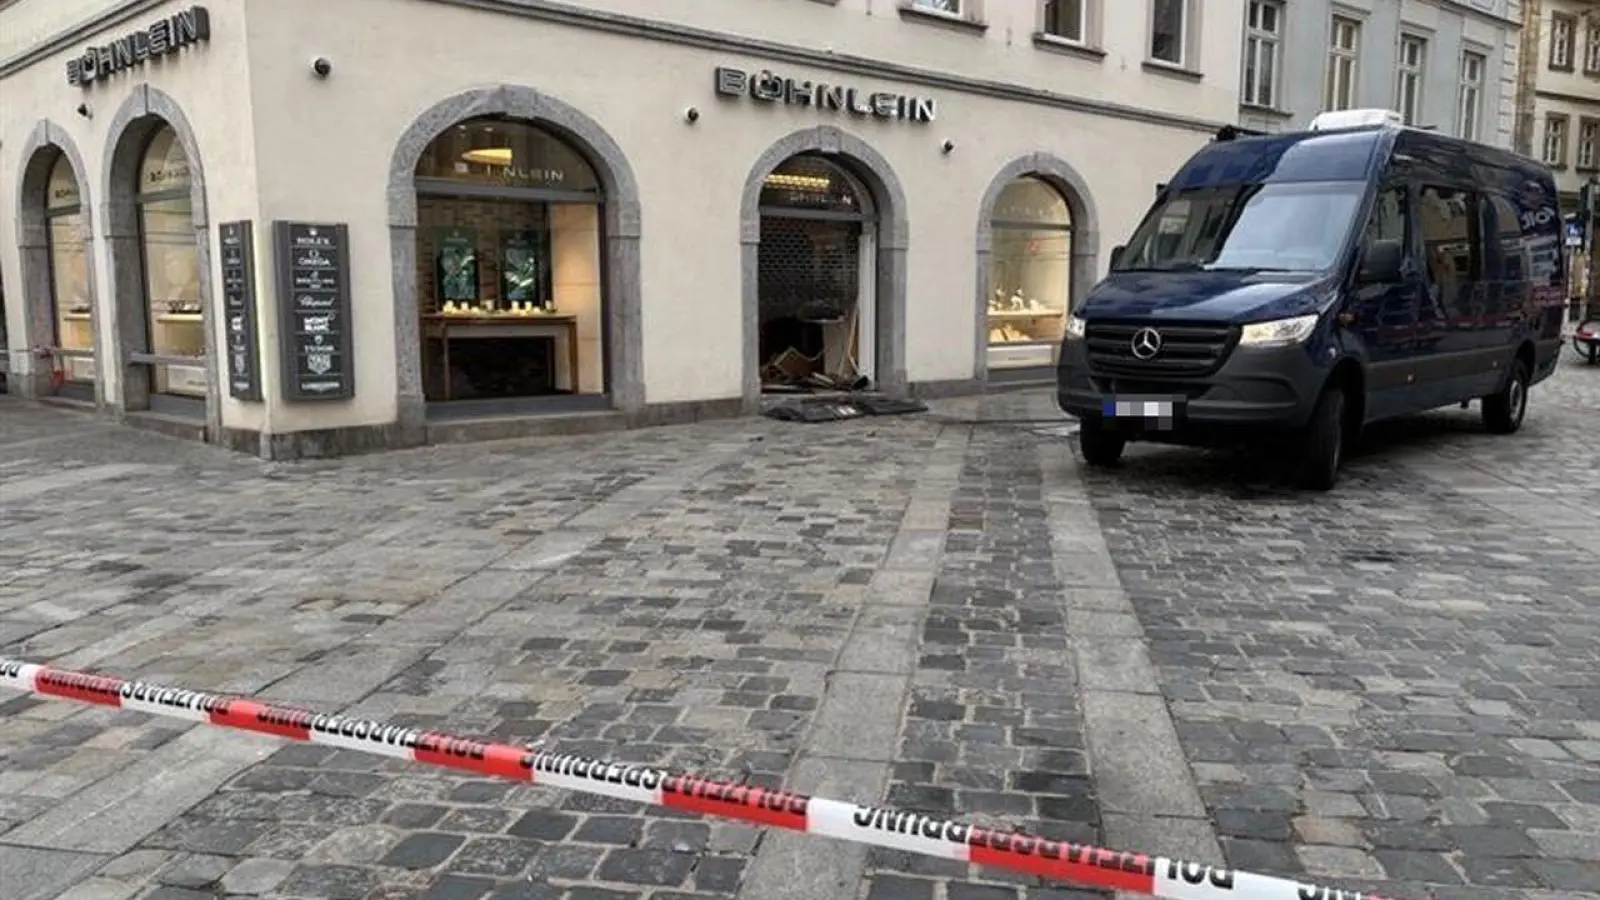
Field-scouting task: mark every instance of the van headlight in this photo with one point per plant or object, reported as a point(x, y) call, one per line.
point(1074, 328)
point(1279, 332)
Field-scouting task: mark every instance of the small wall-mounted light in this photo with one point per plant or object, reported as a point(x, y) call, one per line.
point(947, 146)
point(321, 67)
point(691, 115)
point(85, 111)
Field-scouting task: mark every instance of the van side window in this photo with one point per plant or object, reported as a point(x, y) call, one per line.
point(1448, 219)
point(1507, 238)
point(1168, 241)
point(1388, 222)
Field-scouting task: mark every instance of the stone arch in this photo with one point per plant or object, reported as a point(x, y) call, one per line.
point(132, 127)
point(43, 147)
point(889, 207)
point(620, 281)
point(1060, 175)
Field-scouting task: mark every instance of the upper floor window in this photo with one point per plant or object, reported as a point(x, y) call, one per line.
point(1562, 35)
point(1469, 94)
point(1263, 36)
point(1066, 19)
point(1344, 51)
point(1555, 140)
point(1169, 30)
point(1591, 48)
point(952, 7)
point(1588, 139)
point(1409, 78)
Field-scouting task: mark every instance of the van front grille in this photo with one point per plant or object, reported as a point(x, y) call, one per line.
point(1186, 349)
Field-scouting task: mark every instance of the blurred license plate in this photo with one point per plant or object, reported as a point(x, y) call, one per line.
point(1148, 409)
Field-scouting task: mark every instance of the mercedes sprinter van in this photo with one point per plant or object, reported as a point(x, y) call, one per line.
point(1296, 287)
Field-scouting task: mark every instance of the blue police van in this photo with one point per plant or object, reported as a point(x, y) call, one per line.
point(1294, 288)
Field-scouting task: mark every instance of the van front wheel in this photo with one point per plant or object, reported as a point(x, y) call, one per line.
point(1504, 411)
point(1100, 446)
point(1323, 447)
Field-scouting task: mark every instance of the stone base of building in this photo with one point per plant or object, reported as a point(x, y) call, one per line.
point(331, 443)
point(991, 382)
point(336, 442)
point(171, 426)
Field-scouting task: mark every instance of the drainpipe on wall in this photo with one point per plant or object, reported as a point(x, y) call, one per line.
point(1527, 78)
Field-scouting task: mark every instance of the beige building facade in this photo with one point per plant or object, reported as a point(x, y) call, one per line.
point(1567, 92)
point(1565, 77)
point(298, 233)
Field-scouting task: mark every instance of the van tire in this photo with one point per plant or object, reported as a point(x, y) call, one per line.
point(1504, 411)
point(1322, 450)
point(1100, 447)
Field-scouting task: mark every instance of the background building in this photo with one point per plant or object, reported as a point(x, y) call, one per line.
point(1561, 104)
point(1440, 63)
point(471, 219)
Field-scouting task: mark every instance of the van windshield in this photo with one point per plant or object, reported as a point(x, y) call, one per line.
point(1281, 227)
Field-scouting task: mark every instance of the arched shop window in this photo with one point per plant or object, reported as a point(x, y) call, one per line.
point(173, 317)
point(509, 266)
point(69, 277)
point(1030, 264)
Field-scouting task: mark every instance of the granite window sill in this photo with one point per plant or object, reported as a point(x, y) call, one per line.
point(1272, 111)
point(1056, 44)
point(1169, 70)
point(936, 18)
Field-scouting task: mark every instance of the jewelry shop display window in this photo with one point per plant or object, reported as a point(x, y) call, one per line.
point(175, 328)
point(509, 276)
point(74, 366)
point(1030, 264)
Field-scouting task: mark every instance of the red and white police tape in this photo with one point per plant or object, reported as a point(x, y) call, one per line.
point(899, 830)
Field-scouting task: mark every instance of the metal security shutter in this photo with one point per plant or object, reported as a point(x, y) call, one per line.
point(808, 268)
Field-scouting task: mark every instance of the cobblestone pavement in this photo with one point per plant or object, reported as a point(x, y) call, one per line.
point(1397, 681)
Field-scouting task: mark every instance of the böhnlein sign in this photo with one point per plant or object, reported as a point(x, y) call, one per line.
point(161, 38)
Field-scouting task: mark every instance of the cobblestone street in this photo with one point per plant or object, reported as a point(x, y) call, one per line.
point(1392, 686)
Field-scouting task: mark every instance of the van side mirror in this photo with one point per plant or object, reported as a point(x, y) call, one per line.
point(1381, 263)
point(1116, 254)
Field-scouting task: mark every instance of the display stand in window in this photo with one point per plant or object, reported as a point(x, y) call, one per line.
point(514, 311)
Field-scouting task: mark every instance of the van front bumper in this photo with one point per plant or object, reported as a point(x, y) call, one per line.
point(1254, 388)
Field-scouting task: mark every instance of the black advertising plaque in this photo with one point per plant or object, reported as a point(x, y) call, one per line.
point(314, 311)
point(239, 306)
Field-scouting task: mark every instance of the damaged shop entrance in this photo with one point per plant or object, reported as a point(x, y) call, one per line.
point(816, 279)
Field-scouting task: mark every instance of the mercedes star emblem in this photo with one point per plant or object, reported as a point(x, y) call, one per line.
point(1146, 343)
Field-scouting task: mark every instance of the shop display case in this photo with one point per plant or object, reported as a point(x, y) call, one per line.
point(1030, 267)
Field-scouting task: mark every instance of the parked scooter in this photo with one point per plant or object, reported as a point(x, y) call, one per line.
point(1586, 341)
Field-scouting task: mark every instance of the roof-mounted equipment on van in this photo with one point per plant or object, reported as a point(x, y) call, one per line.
point(1234, 132)
point(1355, 118)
